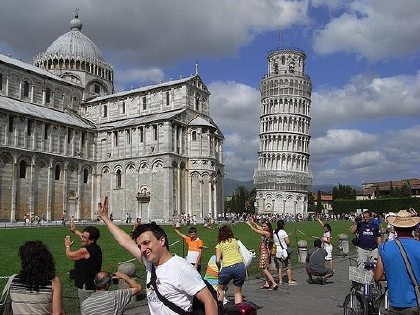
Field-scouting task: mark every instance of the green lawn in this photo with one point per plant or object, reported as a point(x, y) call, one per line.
point(11, 239)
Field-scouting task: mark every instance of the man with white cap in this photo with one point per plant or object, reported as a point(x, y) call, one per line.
point(401, 289)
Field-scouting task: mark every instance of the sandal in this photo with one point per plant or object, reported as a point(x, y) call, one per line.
point(265, 287)
point(292, 282)
point(274, 287)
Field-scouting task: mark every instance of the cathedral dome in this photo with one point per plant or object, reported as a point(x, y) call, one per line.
point(74, 44)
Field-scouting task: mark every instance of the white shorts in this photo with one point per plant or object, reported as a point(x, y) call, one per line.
point(328, 248)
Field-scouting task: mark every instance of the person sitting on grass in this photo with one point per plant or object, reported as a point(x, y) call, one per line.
point(195, 245)
point(315, 263)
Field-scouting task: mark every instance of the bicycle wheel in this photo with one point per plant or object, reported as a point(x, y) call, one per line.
point(355, 304)
point(383, 304)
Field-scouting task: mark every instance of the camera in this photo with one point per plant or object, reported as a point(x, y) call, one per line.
point(114, 280)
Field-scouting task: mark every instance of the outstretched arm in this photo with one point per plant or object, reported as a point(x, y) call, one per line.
point(123, 239)
point(320, 222)
point(258, 229)
point(179, 233)
point(74, 229)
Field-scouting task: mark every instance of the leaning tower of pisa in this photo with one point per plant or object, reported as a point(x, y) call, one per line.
point(282, 178)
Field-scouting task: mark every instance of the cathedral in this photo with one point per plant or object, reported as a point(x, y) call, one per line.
point(282, 178)
point(67, 139)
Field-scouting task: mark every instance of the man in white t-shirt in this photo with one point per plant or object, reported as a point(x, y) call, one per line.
point(176, 279)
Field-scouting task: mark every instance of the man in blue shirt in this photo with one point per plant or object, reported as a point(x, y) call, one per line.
point(402, 296)
point(369, 238)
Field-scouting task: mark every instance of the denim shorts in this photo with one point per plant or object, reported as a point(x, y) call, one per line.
point(237, 272)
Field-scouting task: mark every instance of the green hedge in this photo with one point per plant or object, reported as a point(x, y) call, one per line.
point(378, 205)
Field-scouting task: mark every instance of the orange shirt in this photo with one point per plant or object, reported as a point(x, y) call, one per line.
point(195, 245)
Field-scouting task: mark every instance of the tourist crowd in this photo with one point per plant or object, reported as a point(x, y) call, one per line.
point(36, 289)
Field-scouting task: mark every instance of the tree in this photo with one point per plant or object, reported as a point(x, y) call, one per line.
point(241, 200)
point(311, 203)
point(406, 189)
point(319, 206)
point(344, 192)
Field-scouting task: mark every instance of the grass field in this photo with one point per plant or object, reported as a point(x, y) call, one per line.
point(12, 238)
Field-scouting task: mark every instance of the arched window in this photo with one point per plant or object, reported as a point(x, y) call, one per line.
point(155, 132)
point(194, 136)
point(197, 103)
point(118, 178)
point(22, 169)
point(26, 89)
point(123, 107)
point(141, 132)
point(1, 81)
point(105, 111)
point(48, 95)
point(57, 172)
point(85, 176)
point(167, 98)
point(144, 103)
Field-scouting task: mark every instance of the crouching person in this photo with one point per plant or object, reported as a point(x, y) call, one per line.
point(315, 263)
point(103, 301)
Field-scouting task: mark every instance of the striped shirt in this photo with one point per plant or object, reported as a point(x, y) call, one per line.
point(25, 301)
point(106, 302)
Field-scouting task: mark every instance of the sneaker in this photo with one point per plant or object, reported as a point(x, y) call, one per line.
point(292, 282)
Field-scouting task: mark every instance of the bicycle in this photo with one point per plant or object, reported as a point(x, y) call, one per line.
point(366, 297)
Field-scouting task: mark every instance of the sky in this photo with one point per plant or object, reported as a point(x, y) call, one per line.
point(362, 57)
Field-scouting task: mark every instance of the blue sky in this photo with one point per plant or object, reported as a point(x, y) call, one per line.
point(362, 56)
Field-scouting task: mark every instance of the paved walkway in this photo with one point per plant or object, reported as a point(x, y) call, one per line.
point(301, 299)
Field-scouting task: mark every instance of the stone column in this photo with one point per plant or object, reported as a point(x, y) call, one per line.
point(189, 190)
point(49, 192)
point(13, 197)
point(79, 191)
point(33, 192)
point(178, 190)
point(65, 176)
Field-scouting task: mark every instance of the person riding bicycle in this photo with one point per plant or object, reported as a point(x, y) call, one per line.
point(401, 292)
point(369, 237)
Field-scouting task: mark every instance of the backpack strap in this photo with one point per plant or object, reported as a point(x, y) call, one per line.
point(410, 270)
point(175, 308)
point(6, 289)
point(277, 234)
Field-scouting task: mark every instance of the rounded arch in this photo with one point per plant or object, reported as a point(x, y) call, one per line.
point(58, 170)
point(130, 168)
point(105, 169)
point(157, 165)
point(143, 167)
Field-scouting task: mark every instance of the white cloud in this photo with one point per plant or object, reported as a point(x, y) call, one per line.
point(235, 108)
point(364, 98)
point(374, 29)
point(403, 145)
point(339, 142)
point(363, 159)
point(135, 77)
point(150, 32)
